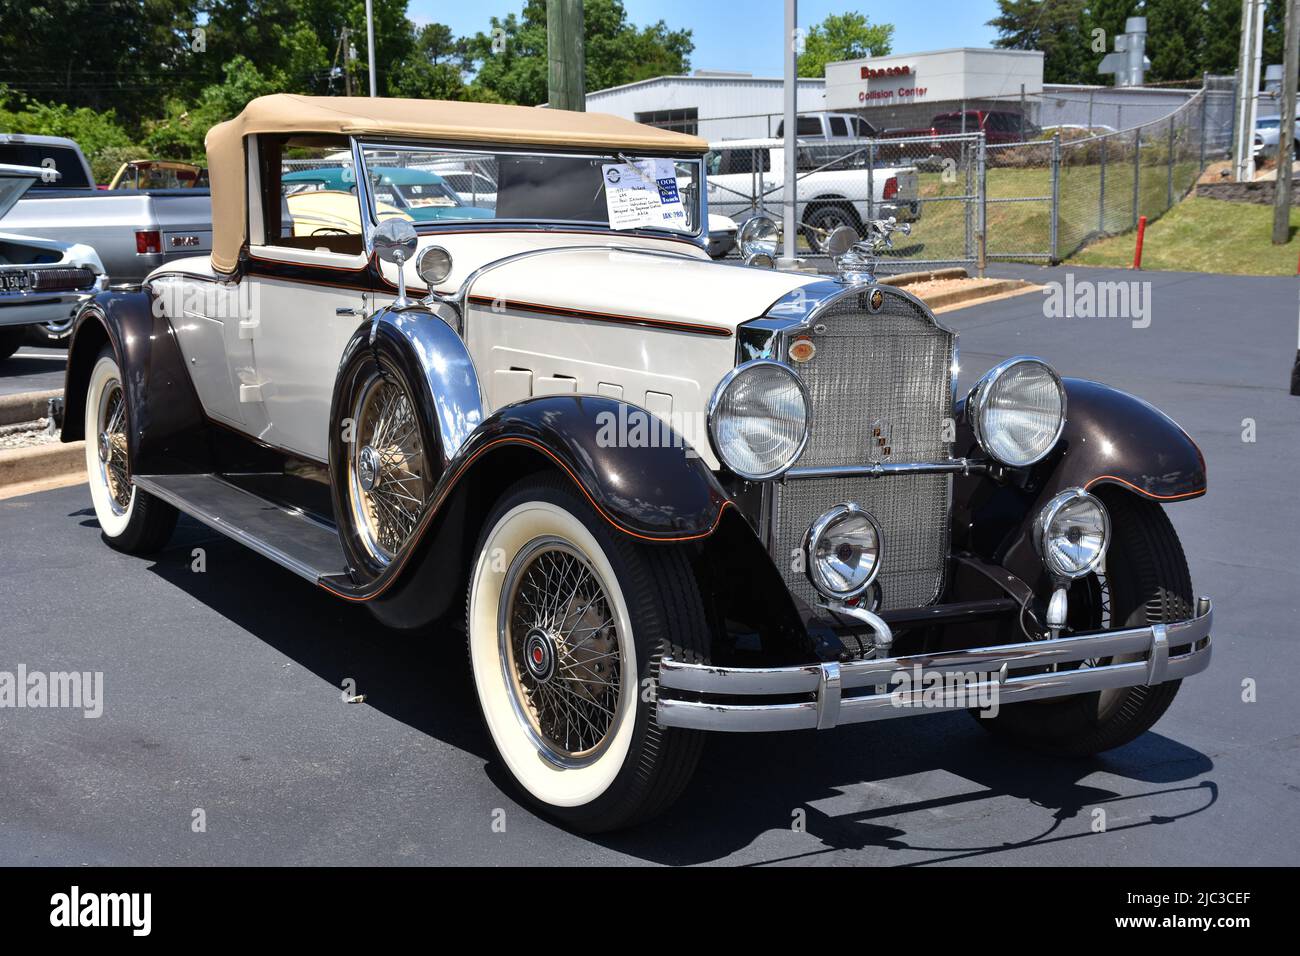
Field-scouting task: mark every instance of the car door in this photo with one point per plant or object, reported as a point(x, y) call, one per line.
point(308, 280)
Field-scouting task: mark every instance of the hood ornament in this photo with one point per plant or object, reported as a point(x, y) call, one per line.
point(857, 263)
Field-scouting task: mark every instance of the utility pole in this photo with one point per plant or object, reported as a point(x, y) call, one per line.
point(346, 44)
point(1286, 129)
point(370, 37)
point(565, 80)
point(790, 214)
point(1252, 50)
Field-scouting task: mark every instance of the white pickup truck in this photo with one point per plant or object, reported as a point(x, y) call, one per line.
point(133, 230)
point(746, 175)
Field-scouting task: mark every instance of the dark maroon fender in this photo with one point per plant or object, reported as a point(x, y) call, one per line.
point(657, 494)
point(1112, 441)
point(167, 429)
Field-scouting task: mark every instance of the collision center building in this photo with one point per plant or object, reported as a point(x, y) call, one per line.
point(890, 92)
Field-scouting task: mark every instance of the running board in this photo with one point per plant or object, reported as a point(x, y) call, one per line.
point(286, 535)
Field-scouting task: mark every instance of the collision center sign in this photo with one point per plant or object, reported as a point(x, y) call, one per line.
point(938, 77)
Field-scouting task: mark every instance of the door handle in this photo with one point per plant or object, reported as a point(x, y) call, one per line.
point(346, 310)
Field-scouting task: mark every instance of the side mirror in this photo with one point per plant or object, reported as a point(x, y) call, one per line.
point(395, 242)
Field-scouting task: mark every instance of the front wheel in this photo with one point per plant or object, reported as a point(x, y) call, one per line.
point(131, 520)
point(567, 621)
point(1146, 581)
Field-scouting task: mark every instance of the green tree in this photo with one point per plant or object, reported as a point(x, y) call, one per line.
point(99, 54)
point(843, 36)
point(99, 134)
point(1175, 39)
point(1222, 36)
point(510, 59)
point(1053, 26)
point(181, 131)
point(1108, 16)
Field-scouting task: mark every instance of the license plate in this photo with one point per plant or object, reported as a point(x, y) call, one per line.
point(14, 282)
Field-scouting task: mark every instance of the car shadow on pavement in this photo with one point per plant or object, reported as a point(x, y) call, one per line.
point(420, 679)
point(909, 787)
point(925, 790)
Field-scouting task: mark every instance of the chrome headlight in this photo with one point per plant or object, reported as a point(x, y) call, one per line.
point(1018, 411)
point(1071, 533)
point(843, 551)
point(758, 419)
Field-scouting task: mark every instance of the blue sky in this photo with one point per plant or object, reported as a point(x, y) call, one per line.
point(746, 35)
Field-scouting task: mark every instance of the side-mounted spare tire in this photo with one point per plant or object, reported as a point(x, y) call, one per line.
point(384, 451)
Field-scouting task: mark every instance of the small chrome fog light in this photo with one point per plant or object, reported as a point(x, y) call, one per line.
point(843, 551)
point(432, 265)
point(1071, 533)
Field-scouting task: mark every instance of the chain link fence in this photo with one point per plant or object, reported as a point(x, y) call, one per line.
point(1007, 192)
point(1047, 199)
point(928, 182)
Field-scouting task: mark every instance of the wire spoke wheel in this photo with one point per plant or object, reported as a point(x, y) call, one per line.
point(111, 444)
point(388, 478)
point(563, 652)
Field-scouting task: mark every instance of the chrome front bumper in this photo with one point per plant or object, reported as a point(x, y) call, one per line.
point(823, 695)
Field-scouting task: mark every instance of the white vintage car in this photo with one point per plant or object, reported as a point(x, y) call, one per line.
point(665, 495)
point(42, 282)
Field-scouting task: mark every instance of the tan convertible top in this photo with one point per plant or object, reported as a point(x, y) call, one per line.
point(424, 119)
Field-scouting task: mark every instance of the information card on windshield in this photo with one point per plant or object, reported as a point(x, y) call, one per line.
point(643, 194)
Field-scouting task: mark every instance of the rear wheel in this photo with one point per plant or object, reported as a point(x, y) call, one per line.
point(1146, 581)
point(131, 520)
point(821, 222)
point(567, 621)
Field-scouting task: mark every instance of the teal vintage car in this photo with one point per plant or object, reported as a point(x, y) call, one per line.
point(422, 195)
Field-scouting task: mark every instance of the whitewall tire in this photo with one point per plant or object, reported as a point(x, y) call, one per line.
point(567, 619)
point(130, 519)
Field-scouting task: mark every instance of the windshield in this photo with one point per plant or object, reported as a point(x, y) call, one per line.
point(616, 191)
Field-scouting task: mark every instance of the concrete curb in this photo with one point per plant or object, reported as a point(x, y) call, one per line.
point(26, 406)
point(42, 463)
point(956, 296)
point(907, 278)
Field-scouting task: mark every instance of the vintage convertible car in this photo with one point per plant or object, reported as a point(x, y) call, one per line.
point(668, 495)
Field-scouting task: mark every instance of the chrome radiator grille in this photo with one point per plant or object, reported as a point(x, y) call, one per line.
point(880, 388)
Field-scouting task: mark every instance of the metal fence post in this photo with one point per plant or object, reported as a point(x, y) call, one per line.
point(1205, 104)
point(1137, 170)
point(1101, 191)
point(1169, 200)
point(1056, 197)
point(871, 180)
point(981, 168)
point(968, 162)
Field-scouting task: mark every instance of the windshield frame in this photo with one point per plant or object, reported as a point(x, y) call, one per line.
point(360, 146)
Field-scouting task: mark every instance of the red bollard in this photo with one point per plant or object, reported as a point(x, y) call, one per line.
point(1137, 253)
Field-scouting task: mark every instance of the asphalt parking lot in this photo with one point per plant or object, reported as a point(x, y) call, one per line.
point(32, 370)
point(222, 689)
